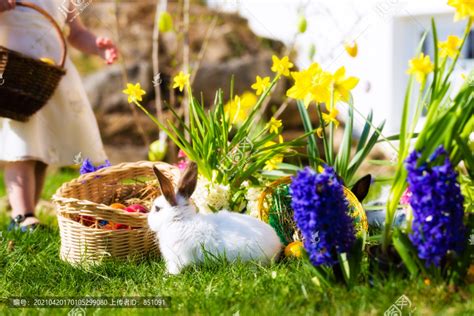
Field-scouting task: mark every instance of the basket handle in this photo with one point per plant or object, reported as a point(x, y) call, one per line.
point(53, 22)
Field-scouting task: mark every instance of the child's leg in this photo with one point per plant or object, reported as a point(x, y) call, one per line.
point(40, 174)
point(20, 183)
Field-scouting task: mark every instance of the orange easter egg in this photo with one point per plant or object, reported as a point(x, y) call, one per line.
point(118, 206)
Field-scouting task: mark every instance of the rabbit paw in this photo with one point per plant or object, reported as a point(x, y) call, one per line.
point(173, 269)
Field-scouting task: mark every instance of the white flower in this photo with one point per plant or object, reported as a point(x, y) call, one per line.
point(209, 195)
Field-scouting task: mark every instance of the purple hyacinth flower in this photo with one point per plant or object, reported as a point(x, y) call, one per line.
point(88, 166)
point(437, 205)
point(321, 214)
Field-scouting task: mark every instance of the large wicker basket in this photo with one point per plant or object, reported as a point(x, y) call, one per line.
point(90, 195)
point(26, 84)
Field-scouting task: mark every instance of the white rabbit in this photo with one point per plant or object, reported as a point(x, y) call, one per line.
point(186, 236)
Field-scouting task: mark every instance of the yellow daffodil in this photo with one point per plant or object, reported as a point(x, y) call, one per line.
point(450, 47)
point(280, 139)
point(273, 163)
point(281, 66)
point(343, 85)
point(180, 81)
point(273, 125)
point(237, 110)
point(420, 66)
point(134, 92)
point(331, 117)
point(312, 84)
point(464, 8)
point(261, 84)
point(351, 49)
point(319, 132)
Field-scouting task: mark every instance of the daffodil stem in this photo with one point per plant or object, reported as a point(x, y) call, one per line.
point(331, 133)
point(267, 101)
point(323, 128)
point(150, 115)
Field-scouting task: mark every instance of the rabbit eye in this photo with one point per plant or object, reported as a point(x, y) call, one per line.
point(156, 209)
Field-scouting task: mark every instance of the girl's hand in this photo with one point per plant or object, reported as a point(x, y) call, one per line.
point(107, 49)
point(6, 5)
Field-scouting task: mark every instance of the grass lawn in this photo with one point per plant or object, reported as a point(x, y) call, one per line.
point(32, 268)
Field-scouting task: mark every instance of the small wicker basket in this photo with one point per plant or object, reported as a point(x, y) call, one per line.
point(90, 196)
point(26, 84)
point(264, 205)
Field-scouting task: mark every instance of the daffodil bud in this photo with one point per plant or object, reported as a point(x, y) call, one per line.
point(351, 49)
point(165, 22)
point(302, 24)
point(312, 52)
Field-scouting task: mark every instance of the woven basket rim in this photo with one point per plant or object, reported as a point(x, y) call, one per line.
point(14, 52)
point(79, 181)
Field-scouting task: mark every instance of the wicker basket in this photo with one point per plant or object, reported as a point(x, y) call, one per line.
point(90, 196)
point(26, 84)
point(356, 210)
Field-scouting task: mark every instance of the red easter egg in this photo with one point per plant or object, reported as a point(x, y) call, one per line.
point(88, 220)
point(136, 208)
point(121, 226)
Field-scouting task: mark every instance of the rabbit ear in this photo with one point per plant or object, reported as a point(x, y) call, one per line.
point(166, 187)
point(361, 188)
point(188, 181)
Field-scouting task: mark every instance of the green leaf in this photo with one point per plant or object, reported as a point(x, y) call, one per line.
point(355, 258)
point(387, 163)
point(407, 252)
point(313, 151)
point(397, 137)
point(343, 156)
point(361, 155)
point(365, 131)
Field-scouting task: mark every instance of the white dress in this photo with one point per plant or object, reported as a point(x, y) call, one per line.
point(66, 125)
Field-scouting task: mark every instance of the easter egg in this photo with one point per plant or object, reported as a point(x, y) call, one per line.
point(88, 220)
point(137, 208)
point(48, 60)
point(118, 206)
point(294, 249)
point(114, 226)
point(157, 150)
